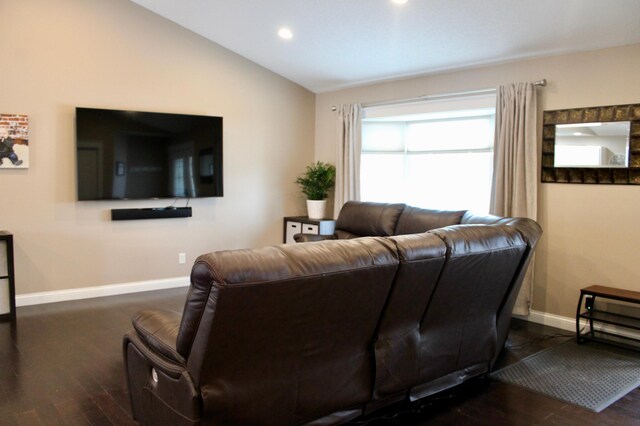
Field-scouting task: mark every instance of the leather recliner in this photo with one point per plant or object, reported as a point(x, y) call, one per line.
point(277, 336)
point(361, 218)
point(322, 332)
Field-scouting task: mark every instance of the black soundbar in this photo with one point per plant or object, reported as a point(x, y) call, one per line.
point(150, 213)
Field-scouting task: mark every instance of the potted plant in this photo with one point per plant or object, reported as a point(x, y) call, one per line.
point(316, 182)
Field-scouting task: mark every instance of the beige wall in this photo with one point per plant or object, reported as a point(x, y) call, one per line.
point(68, 53)
point(591, 231)
point(57, 55)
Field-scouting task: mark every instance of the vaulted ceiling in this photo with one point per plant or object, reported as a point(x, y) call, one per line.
point(342, 43)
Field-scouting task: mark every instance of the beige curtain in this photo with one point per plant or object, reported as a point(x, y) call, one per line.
point(348, 157)
point(515, 163)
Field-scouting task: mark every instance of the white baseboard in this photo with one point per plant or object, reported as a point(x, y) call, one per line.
point(99, 291)
point(552, 320)
point(569, 324)
point(539, 317)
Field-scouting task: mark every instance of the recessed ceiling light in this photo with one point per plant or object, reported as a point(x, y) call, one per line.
point(399, 1)
point(285, 33)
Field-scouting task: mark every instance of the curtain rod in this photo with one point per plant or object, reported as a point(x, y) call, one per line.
point(540, 83)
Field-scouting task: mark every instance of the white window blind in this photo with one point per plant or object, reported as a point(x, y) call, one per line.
point(436, 155)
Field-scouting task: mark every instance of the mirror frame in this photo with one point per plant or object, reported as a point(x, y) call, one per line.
point(607, 175)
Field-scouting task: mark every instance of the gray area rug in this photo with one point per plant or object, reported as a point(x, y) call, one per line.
point(590, 375)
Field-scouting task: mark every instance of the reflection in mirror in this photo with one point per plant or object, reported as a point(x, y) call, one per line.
point(620, 166)
point(592, 144)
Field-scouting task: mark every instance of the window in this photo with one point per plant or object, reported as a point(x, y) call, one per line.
point(439, 159)
point(178, 178)
point(182, 178)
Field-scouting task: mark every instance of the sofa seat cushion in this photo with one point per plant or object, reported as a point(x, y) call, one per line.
point(345, 235)
point(158, 330)
point(414, 220)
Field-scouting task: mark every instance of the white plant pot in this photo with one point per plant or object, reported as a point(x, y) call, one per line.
point(316, 209)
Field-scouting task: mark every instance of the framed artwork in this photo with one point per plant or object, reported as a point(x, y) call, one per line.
point(14, 141)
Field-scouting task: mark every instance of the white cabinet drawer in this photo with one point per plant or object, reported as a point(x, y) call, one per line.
point(303, 225)
point(308, 228)
point(293, 228)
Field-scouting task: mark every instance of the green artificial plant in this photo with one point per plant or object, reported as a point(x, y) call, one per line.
point(317, 180)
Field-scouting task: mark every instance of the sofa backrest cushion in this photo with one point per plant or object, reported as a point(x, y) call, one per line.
point(397, 347)
point(414, 220)
point(287, 330)
point(367, 219)
point(471, 218)
point(458, 329)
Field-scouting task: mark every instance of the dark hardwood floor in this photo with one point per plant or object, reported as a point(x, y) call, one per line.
point(61, 364)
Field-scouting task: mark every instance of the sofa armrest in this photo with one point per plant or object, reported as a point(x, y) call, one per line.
point(159, 330)
point(303, 238)
point(161, 390)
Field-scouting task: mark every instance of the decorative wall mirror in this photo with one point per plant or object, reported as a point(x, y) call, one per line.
point(592, 145)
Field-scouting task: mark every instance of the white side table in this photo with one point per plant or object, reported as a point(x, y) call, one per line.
point(301, 224)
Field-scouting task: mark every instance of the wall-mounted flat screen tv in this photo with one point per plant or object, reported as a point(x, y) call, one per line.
point(129, 155)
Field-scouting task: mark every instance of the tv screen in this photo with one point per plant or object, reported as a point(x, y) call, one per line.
point(129, 155)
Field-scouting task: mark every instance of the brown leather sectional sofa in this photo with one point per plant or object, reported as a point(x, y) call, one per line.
point(321, 332)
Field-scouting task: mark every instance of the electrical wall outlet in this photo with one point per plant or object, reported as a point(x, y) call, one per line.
point(182, 258)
